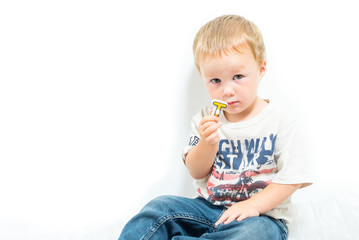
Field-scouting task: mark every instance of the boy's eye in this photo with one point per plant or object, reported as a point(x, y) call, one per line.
point(237, 77)
point(215, 80)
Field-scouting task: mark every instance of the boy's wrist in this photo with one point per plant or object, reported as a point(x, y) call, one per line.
point(206, 146)
point(255, 205)
point(200, 159)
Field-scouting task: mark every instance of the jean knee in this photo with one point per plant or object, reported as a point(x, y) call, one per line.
point(164, 203)
point(262, 228)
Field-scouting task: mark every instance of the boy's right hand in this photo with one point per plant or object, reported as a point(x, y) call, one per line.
point(207, 129)
point(200, 159)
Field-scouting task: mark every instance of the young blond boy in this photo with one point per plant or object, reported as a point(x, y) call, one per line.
point(247, 162)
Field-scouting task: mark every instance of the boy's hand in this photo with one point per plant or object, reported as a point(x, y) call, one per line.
point(238, 211)
point(208, 129)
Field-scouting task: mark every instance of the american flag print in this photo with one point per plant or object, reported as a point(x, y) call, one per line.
point(241, 169)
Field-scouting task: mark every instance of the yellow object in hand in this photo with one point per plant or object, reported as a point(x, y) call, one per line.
point(219, 105)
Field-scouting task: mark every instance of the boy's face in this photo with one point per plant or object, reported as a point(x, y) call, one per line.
point(234, 79)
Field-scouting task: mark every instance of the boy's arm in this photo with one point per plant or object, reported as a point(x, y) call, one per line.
point(200, 159)
point(262, 202)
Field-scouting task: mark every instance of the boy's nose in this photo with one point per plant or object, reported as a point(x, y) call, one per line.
point(228, 90)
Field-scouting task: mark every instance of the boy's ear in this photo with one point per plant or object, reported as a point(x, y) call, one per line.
point(262, 69)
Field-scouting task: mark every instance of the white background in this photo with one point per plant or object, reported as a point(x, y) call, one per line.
point(96, 99)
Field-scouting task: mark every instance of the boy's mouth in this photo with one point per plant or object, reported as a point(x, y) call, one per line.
point(232, 103)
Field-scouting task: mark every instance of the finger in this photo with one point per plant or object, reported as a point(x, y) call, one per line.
point(213, 139)
point(227, 214)
point(209, 119)
point(231, 219)
point(221, 219)
point(227, 217)
point(211, 129)
point(206, 132)
point(206, 125)
point(242, 217)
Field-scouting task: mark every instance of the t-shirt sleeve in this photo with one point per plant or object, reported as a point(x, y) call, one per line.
point(194, 136)
point(292, 164)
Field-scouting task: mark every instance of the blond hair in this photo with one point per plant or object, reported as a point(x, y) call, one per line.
point(228, 34)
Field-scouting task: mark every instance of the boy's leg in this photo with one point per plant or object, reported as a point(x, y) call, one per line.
point(254, 228)
point(168, 216)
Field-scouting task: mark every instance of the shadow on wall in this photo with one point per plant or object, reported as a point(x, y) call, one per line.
point(194, 98)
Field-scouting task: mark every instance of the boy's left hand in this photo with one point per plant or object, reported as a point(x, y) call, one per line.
point(238, 211)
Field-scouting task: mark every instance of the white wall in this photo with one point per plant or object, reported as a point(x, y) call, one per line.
point(96, 99)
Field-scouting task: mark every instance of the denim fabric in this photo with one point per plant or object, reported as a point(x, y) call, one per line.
point(178, 218)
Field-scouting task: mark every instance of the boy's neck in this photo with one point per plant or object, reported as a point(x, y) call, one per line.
point(253, 110)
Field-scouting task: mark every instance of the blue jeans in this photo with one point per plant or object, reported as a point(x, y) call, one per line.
point(179, 218)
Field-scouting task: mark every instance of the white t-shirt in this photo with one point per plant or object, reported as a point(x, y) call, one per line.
point(252, 154)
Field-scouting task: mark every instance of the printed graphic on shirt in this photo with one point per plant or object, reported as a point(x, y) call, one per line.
point(241, 169)
point(193, 141)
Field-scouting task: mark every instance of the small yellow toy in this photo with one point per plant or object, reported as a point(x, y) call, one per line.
point(219, 105)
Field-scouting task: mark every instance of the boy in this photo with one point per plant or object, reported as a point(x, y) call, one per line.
point(247, 162)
